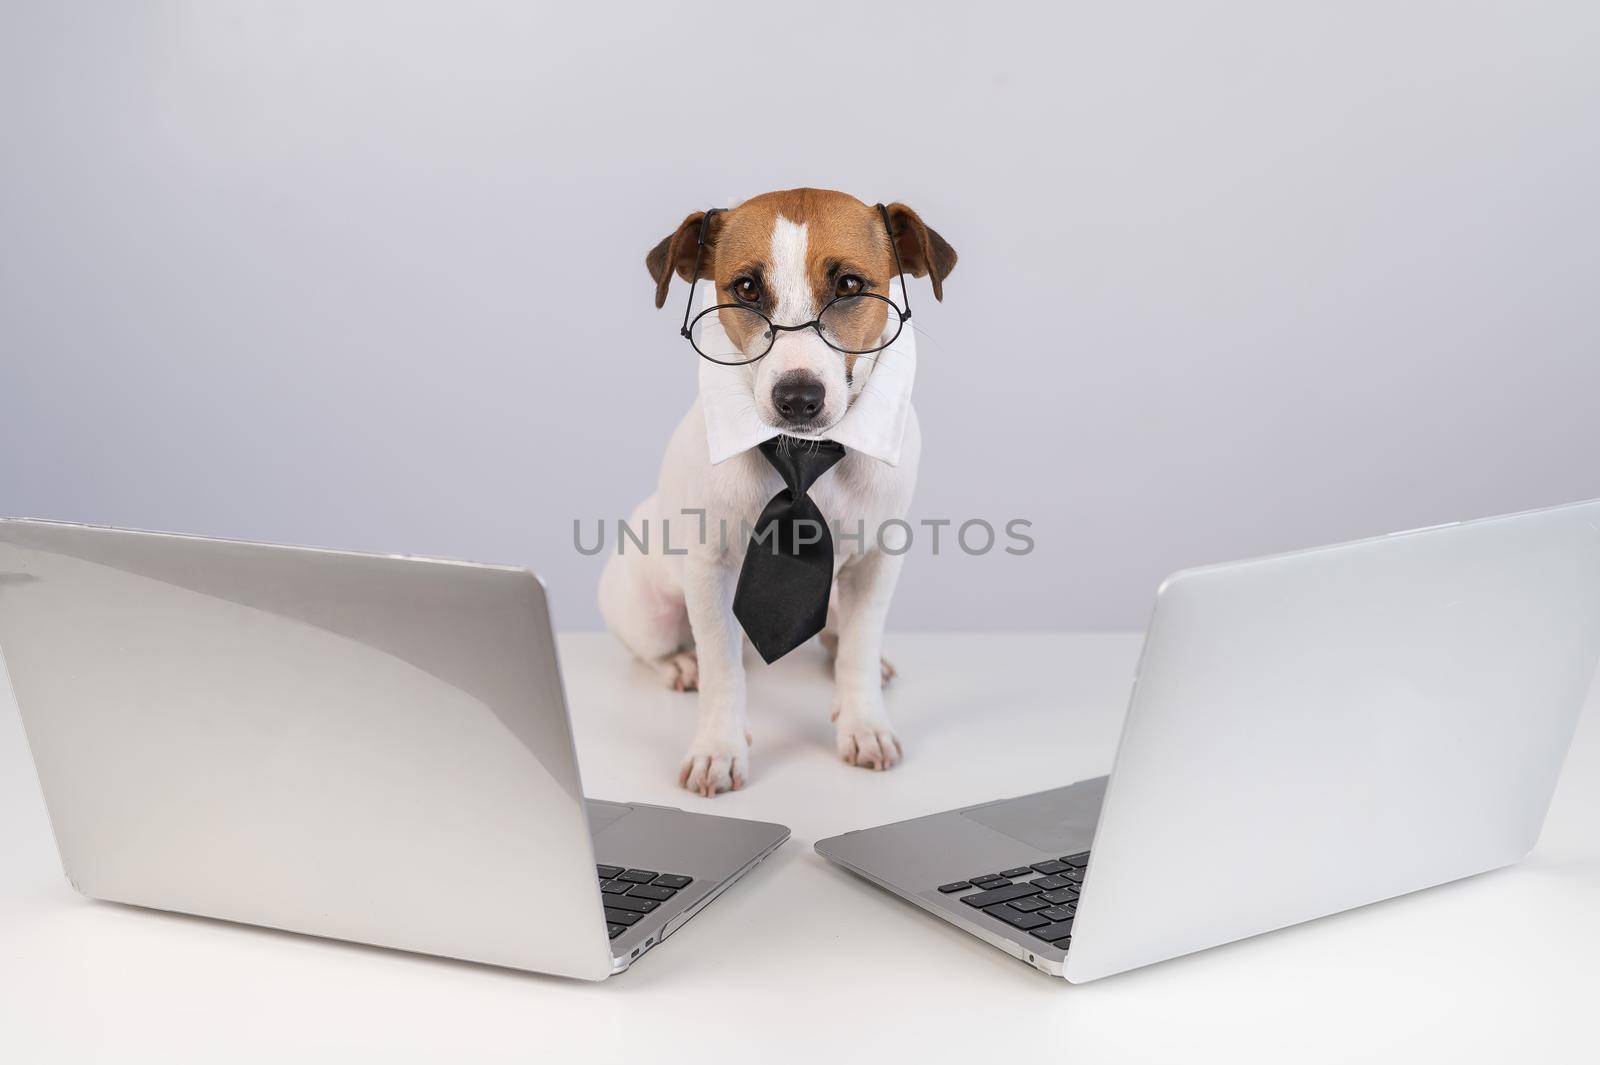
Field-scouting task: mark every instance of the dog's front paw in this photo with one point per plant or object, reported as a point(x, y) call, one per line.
point(867, 740)
point(715, 765)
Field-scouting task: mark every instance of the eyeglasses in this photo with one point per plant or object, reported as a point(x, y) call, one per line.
point(735, 334)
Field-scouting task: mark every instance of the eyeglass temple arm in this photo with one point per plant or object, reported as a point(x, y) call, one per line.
point(905, 293)
point(700, 250)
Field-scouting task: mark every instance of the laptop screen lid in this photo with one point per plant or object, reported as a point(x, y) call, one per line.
point(1407, 699)
point(363, 747)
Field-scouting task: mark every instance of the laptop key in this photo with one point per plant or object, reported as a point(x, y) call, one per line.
point(608, 872)
point(615, 930)
point(1077, 861)
point(1049, 883)
point(637, 876)
point(1021, 870)
point(1058, 896)
point(1029, 904)
point(615, 887)
point(620, 916)
point(1053, 932)
point(1015, 918)
point(959, 885)
point(1003, 894)
point(1074, 875)
point(628, 902)
point(981, 877)
point(673, 881)
point(1057, 913)
point(1049, 867)
point(990, 885)
point(651, 891)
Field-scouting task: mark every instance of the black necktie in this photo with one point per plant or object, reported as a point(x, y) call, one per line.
point(782, 598)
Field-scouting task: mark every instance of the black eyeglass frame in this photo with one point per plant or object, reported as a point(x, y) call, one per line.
point(773, 328)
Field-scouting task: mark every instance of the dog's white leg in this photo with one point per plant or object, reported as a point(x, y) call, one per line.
point(863, 733)
point(829, 638)
point(719, 757)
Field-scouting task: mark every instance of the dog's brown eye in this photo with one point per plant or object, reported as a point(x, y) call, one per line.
point(747, 290)
point(849, 285)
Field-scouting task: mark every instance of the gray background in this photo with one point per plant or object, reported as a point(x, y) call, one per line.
point(1234, 278)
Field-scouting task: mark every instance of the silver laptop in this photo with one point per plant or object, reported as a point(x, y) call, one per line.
point(1308, 733)
point(369, 748)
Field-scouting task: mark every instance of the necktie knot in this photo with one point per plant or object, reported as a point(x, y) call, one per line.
point(801, 462)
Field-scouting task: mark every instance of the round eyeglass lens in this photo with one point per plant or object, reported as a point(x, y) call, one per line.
point(731, 335)
point(857, 325)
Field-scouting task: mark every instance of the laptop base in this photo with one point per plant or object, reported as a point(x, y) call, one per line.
point(657, 867)
point(914, 859)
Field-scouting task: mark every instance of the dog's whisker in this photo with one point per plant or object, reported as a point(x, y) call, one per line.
point(925, 335)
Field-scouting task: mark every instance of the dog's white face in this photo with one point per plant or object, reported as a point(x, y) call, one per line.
point(802, 383)
point(787, 255)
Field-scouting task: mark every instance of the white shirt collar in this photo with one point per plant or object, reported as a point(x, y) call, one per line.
point(874, 425)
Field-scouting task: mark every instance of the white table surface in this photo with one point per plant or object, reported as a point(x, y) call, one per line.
point(801, 961)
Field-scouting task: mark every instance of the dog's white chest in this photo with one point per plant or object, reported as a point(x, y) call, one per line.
point(859, 498)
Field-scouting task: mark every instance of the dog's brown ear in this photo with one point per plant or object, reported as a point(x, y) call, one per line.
point(922, 250)
point(676, 254)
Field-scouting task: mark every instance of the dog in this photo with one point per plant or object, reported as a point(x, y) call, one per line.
point(787, 254)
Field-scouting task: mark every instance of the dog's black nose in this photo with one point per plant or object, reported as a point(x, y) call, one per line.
point(798, 397)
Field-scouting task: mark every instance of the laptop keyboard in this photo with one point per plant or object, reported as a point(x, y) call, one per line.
point(629, 894)
point(1040, 899)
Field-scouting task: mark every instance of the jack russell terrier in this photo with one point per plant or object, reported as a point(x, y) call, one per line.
point(803, 422)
